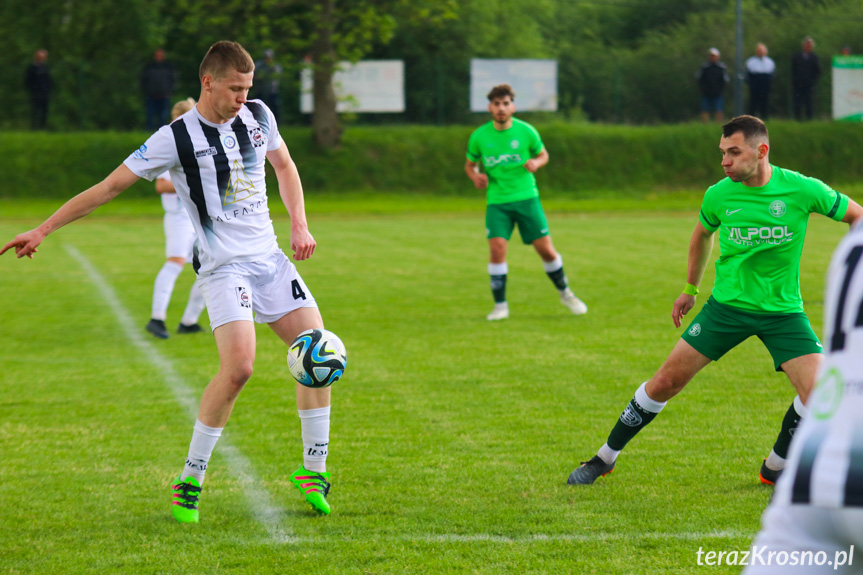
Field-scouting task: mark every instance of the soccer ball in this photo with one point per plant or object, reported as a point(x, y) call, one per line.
point(317, 358)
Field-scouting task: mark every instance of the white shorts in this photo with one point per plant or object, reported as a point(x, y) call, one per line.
point(179, 235)
point(808, 540)
point(265, 290)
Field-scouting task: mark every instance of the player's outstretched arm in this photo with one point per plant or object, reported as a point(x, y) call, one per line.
point(26, 244)
point(700, 246)
point(291, 190)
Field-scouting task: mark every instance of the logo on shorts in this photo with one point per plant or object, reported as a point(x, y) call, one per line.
point(256, 135)
point(695, 330)
point(243, 298)
point(777, 209)
point(630, 417)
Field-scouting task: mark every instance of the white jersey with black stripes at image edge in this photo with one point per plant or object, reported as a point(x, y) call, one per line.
point(825, 463)
point(218, 172)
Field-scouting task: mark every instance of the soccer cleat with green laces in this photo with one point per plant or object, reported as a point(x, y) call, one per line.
point(314, 487)
point(184, 504)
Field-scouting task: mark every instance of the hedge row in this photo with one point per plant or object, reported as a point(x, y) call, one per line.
point(586, 159)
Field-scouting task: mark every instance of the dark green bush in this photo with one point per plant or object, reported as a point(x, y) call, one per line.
point(586, 159)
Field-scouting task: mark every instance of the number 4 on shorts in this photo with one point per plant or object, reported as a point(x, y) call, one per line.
point(297, 291)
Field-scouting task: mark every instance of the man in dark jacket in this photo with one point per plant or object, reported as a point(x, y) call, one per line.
point(712, 78)
point(805, 71)
point(38, 82)
point(157, 83)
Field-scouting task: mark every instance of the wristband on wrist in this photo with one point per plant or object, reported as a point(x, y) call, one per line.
point(690, 289)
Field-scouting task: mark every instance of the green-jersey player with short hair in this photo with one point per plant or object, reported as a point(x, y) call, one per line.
point(510, 152)
point(760, 212)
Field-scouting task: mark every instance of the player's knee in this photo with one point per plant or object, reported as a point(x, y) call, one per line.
point(239, 372)
point(664, 386)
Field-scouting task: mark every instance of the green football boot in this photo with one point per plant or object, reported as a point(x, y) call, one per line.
point(184, 504)
point(314, 487)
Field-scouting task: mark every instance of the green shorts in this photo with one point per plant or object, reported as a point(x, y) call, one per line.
point(500, 219)
point(718, 328)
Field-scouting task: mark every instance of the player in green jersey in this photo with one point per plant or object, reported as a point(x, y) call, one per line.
point(510, 152)
point(761, 212)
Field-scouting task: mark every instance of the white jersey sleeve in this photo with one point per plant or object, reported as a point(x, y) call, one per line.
point(157, 155)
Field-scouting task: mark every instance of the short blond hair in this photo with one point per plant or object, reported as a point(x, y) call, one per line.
point(182, 107)
point(224, 56)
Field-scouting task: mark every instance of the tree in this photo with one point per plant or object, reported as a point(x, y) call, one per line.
point(320, 33)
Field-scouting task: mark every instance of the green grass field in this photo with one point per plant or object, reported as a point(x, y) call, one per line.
point(451, 439)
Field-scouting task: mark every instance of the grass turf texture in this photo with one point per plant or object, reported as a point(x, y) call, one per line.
point(452, 437)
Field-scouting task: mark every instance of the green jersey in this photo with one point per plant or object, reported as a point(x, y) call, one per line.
point(503, 154)
point(761, 233)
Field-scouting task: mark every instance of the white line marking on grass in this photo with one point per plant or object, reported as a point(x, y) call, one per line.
point(575, 537)
point(263, 508)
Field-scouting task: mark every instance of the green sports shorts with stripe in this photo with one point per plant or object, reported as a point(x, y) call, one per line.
point(500, 219)
point(718, 328)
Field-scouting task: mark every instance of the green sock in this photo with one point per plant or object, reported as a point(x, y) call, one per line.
point(498, 288)
point(789, 426)
point(640, 411)
point(554, 270)
point(558, 278)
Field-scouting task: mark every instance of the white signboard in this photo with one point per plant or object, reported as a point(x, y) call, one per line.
point(533, 81)
point(367, 86)
point(848, 88)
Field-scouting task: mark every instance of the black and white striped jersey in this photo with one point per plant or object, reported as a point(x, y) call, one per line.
point(825, 466)
point(218, 172)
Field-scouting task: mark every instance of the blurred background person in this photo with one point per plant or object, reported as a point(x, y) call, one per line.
point(179, 240)
point(268, 74)
point(759, 74)
point(38, 82)
point(157, 82)
point(712, 78)
point(805, 71)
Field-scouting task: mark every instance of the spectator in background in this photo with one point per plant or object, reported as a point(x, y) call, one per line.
point(157, 82)
point(38, 82)
point(267, 77)
point(712, 78)
point(759, 75)
point(805, 71)
point(846, 50)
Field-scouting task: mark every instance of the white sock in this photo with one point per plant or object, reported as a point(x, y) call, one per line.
point(774, 462)
point(553, 265)
point(315, 424)
point(645, 402)
point(801, 409)
point(204, 440)
point(163, 288)
point(498, 269)
point(607, 454)
point(194, 307)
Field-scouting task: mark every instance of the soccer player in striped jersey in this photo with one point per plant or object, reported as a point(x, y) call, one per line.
point(179, 240)
point(761, 212)
point(817, 508)
point(216, 154)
